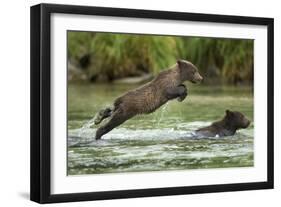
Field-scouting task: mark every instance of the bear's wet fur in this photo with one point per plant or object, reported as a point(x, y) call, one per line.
point(167, 85)
point(231, 122)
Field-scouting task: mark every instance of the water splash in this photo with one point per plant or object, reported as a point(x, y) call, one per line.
point(82, 136)
point(162, 112)
point(85, 136)
point(86, 126)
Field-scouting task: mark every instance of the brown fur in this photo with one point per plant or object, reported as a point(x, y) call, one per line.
point(232, 121)
point(149, 97)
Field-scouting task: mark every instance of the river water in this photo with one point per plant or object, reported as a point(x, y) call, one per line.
point(159, 141)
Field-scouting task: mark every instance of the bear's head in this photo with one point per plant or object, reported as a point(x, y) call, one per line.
point(188, 72)
point(237, 119)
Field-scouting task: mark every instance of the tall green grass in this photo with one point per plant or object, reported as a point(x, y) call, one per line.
point(115, 56)
point(227, 60)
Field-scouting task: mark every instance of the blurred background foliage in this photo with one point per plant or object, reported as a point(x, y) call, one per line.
point(99, 57)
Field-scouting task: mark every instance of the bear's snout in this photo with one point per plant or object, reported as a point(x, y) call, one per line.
point(197, 78)
point(246, 122)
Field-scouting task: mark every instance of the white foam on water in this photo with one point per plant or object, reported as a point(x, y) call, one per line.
point(163, 110)
point(86, 134)
point(86, 126)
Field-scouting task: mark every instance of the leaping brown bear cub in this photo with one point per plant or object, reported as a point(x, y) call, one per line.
point(231, 122)
point(166, 86)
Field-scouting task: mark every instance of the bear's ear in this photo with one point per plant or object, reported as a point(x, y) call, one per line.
point(180, 63)
point(228, 112)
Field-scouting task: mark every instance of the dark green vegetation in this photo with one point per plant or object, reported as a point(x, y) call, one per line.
point(161, 140)
point(106, 56)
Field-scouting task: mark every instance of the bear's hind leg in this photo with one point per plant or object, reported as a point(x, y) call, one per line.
point(102, 114)
point(116, 119)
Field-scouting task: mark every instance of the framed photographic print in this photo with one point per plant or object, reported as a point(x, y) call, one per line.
point(133, 103)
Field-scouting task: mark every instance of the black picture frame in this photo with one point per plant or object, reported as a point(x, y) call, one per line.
point(41, 98)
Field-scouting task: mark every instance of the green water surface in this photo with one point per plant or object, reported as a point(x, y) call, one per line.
point(159, 141)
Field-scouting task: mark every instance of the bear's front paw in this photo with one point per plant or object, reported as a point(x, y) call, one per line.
point(183, 93)
point(182, 97)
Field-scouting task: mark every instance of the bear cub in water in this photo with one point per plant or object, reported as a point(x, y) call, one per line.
point(166, 86)
point(232, 121)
